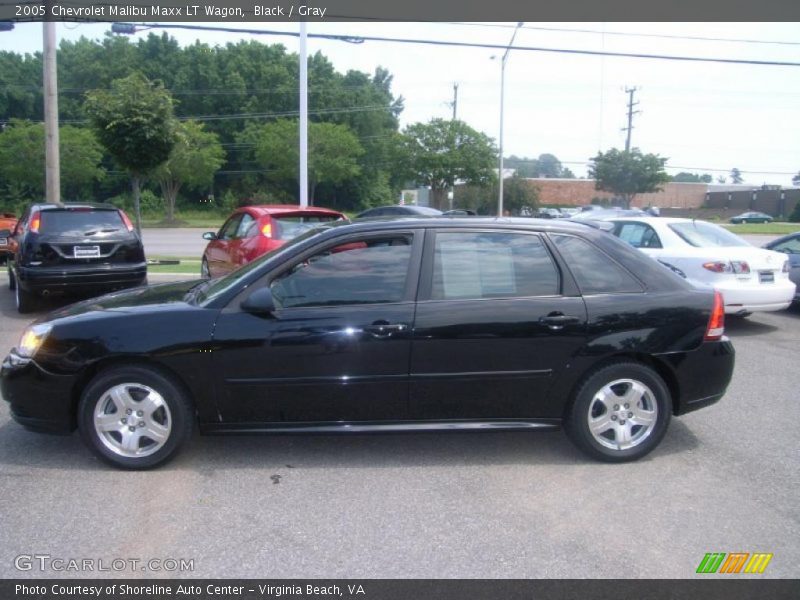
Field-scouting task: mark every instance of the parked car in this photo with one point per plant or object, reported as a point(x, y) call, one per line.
point(399, 210)
point(752, 217)
point(570, 211)
point(750, 279)
point(255, 230)
point(790, 246)
point(472, 324)
point(548, 213)
point(73, 248)
point(8, 221)
point(460, 212)
point(603, 214)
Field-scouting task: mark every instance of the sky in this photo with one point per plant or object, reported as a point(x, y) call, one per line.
point(705, 117)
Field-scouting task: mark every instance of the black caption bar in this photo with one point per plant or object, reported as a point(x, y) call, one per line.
point(399, 589)
point(233, 11)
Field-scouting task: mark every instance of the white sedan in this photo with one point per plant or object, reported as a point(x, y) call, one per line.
point(750, 279)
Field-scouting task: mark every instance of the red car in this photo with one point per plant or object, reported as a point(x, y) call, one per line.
point(8, 223)
point(255, 230)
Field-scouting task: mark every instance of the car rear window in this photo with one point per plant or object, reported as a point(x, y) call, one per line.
point(80, 222)
point(706, 235)
point(594, 270)
point(287, 227)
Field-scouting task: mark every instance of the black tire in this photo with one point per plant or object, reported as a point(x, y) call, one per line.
point(26, 301)
point(12, 283)
point(204, 272)
point(175, 414)
point(654, 403)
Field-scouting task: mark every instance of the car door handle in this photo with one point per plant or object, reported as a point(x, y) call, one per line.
point(384, 329)
point(558, 320)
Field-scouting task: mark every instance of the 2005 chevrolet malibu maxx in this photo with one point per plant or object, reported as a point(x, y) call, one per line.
point(403, 325)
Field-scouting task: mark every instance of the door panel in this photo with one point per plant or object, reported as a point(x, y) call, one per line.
point(491, 331)
point(337, 347)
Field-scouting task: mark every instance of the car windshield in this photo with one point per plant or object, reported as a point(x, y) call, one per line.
point(706, 235)
point(290, 226)
point(207, 291)
point(80, 222)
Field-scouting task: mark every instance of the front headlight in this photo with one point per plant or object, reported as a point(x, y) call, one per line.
point(32, 339)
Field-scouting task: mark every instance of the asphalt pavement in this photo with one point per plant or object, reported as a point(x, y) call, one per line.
point(497, 505)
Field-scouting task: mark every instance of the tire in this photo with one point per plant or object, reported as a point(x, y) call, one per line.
point(610, 427)
point(12, 283)
point(204, 272)
point(163, 417)
point(26, 301)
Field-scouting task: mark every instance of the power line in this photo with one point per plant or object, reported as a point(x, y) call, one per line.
point(633, 34)
point(429, 42)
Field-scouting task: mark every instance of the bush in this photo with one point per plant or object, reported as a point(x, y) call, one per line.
point(795, 216)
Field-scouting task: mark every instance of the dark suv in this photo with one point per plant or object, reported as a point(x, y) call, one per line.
point(80, 248)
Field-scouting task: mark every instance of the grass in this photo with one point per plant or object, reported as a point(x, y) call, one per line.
point(763, 228)
point(186, 265)
point(188, 218)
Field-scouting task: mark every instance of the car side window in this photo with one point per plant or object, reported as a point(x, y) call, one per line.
point(790, 246)
point(228, 230)
point(367, 271)
point(638, 235)
point(492, 265)
point(245, 228)
point(594, 271)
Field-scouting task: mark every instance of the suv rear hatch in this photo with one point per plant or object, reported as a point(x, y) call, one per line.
point(83, 236)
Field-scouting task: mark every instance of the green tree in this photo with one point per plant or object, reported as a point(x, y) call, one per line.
point(134, 121)
point(195, 158)
point(685, 177)
point(22, 158)
point(736, 176)
point(333, 152)
point(440, 152)
point(518, 194)
point(628, 173)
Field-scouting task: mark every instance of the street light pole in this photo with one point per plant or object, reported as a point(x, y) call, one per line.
point(52, 159)
point(303, 117)
point(502, 108)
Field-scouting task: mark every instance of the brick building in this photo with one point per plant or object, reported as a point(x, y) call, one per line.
point(579, 192)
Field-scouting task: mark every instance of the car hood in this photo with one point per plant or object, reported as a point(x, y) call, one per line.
point(142, 299)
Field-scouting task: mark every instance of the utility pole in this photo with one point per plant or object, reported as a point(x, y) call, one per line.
point(452, 193)
point(303, 117)
point(631, 112)
point(52, 158)
point(502, 107)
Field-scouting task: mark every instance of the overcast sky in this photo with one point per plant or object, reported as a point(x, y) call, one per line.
point(705, 117)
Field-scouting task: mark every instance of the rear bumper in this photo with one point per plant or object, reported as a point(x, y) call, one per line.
point(701, 376)
point(73, 279)
point(761, 298)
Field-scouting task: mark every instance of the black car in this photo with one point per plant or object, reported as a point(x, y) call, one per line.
point(472, 324)
point(73, 248)
point(400, 210)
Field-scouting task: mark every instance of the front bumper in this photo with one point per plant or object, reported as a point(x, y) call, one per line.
point(40, 401)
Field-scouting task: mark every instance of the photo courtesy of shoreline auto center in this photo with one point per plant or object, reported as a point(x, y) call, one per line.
point(417, 300)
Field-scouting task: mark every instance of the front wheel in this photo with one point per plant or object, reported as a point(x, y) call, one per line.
point(26, 301)
point(204, 272)
point(620, 412)
point(134, 417)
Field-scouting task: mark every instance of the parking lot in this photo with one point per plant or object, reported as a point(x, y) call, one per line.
point(725, 479)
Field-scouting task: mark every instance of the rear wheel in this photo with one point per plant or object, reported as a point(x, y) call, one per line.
point(204, 272)
point(134, 417)
point(26, 301)
point(12, 283)
point(620, 412)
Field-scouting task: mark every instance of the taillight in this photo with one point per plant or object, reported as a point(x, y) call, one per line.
point(716, 322)
point(35, 222)
point(740, 266)
point(266, 230)
point(126, 220)
point(718, 267)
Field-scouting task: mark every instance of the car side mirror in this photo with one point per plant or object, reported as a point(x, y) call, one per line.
point(5, 233)
point(210, 236)
point(259, 302)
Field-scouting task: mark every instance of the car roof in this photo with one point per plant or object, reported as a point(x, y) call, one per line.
point(62, 205)
point(278, 209)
